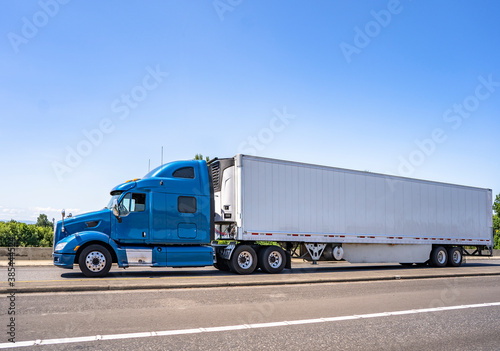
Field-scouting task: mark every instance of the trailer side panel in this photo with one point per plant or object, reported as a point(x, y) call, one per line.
point(288, 201)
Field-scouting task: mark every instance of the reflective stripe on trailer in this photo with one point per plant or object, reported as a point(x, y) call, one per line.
point(361, 238)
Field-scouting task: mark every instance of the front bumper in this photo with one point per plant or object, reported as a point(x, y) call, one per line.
point(63, 260)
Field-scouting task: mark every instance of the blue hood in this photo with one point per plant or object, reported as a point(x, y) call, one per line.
point(99, 221)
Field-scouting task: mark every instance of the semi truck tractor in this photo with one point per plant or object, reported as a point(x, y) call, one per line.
point(246, 213)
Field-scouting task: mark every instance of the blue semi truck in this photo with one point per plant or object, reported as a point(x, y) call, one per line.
point(161, 220)
point(243, 213)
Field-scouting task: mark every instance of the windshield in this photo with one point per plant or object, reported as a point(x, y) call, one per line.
point(115, 196)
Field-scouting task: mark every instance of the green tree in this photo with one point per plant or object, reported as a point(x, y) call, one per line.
point(200, 157)
point(496, 221)
point(496, 205)
point(496, 230)
point(43, 221)
point(25, 235)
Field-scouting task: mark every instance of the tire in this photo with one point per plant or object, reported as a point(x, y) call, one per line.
point(439, 256)
point(222, 265)
point(95, 261)
point(243, 260)
point(455, 256)
point(272, 259)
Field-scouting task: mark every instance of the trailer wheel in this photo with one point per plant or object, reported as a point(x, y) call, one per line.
point(272, 259)
point(454, 256)
point(439, 256)
point(243, 260)
point(95, 261)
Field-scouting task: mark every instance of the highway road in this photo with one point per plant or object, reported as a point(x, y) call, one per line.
point(50, 272)
point(458, 313)
point(53, 279)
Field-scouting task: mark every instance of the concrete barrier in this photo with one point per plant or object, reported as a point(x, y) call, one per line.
point(28, 253)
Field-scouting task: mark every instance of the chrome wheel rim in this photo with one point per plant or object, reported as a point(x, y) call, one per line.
point(245, 260)
point(441, 257)
point(95, 261)
point(275, 259)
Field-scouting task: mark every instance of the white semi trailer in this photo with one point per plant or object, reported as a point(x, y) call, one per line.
point(326, 213)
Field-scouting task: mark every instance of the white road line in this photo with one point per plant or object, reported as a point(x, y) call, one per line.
point(235, 327)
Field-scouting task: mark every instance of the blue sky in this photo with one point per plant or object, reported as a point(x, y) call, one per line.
point(90, 91)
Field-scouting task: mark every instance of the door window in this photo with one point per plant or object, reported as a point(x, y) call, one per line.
point(133, 202)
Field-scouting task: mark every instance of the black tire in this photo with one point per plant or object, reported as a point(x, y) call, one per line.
point(222, 265)
point(455, 256)
point(439, 256)
point(95, 261)
point(243, 260)
point(272, 259)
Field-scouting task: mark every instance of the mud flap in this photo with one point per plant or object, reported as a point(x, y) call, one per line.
point(288, 264)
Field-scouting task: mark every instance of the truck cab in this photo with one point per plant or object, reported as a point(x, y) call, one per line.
point(161, 220)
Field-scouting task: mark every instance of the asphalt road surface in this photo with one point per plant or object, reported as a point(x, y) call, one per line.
point(347, 316)
point(50, 272)
point(53, 279)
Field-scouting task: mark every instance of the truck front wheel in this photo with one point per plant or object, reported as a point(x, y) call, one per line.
point(243, 260)
point(95, 261)
point(272, 259)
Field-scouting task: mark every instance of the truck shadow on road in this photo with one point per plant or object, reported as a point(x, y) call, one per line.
point(301, 269)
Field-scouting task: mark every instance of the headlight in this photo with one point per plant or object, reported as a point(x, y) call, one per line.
point(60, 246)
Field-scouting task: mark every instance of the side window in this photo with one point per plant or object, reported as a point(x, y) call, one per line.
point(186, 204)
point(138, 203)
point(184, 172)
point(133, 202)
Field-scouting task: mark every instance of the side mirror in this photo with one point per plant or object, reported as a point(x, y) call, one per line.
point(63, 213)
point(116, 211)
